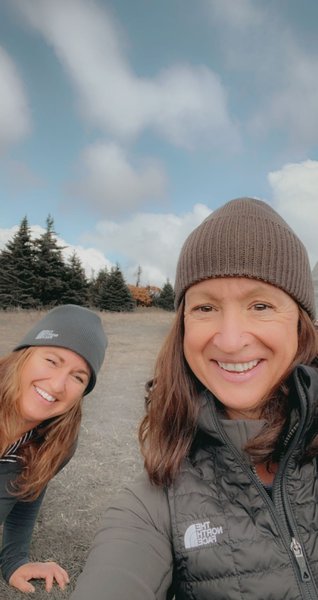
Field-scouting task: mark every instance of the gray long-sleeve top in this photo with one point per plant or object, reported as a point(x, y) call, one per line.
point(18, 520)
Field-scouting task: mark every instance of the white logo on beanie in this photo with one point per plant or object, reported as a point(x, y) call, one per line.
point(46, 334)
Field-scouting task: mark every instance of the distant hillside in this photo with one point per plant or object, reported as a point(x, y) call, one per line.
point(315, 278)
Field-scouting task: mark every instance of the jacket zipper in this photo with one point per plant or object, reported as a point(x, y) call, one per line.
point(298, 561)
point(284, 508)
point(295, 547)
point(297, 550)
point(281, 526)
point(302, 572)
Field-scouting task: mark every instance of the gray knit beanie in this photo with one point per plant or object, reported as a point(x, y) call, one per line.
point(75, 328)
point(247, 238)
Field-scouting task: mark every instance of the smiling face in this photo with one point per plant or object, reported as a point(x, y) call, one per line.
point(52, 380)
point(241, 335)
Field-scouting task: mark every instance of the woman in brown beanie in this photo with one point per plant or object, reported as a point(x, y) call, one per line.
point(227, 508)
point(42, 384)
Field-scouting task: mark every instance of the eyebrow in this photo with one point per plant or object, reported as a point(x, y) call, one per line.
point(79, 370)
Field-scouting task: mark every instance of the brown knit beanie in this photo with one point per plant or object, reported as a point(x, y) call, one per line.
point(247, 238)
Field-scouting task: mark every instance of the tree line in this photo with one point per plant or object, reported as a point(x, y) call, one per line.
point(34, 274)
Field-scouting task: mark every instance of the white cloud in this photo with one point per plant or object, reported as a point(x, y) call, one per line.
point(246, 34)
point(189, 108)
point(186, 105)
point(292, 105)
point(112, 184)
point(150, 240)
point(277, 71)
point(92, 260)
point(295, 195)
point(238, 15)
point(14, 112)
point(6, 234)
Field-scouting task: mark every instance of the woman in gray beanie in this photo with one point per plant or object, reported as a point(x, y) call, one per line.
point(227, 505)
point(42, 384)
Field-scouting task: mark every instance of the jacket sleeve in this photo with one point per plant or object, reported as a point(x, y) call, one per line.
point(131, 556)
point(17, 532)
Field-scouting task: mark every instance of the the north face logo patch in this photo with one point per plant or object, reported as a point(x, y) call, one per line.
point(46, 334)
point(201, 534)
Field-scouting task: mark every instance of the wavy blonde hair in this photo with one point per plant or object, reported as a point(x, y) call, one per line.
point(54, 440)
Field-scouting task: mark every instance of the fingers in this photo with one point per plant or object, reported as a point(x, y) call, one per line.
point(21, 584)
point(49, 571)
point(55, 573)
point(49, 582)
point(61, 577)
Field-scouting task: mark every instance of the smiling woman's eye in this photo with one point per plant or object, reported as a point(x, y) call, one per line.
point(201, 308)
point(261, 306)
point(201, 311)
point(51, 360)
point(81, 378)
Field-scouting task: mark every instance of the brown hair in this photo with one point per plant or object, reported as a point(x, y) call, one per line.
point(53, 441)
point(168, 428)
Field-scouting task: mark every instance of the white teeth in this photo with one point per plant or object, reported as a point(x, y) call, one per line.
point(45, 395)
point(238, 367)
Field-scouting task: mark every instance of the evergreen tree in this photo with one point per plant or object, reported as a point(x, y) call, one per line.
point(51, 270)
point(166, 297)
point(76, 291)
point(114, 294)
point(17, 277)
point(97, 287)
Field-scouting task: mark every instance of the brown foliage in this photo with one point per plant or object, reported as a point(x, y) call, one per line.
point(141, 295)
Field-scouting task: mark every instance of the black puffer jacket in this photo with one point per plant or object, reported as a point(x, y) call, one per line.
point(215, 534)
point(231, 541)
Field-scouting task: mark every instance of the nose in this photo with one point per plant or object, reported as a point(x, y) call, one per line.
point(231, 334)
point(58, 381)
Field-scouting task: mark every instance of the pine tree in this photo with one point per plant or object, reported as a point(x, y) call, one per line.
point(76, 290)
point(114, 294)
point(17, 277)
point(51, 270)
point(166, 297)
point(96, 287)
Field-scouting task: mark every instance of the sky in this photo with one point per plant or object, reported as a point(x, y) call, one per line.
point(129, 121)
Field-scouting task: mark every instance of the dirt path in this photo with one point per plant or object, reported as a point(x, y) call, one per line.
point(107, 454)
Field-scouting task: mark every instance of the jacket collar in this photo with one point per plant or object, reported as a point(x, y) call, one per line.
point(303, 394)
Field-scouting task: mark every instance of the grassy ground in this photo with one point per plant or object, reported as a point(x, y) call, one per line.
point(107, 454)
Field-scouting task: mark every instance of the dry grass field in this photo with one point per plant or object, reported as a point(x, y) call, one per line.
point(107, 453)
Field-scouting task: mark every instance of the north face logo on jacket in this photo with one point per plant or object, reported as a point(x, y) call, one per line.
point(201, 534)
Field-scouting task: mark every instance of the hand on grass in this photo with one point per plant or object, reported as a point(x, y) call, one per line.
point(49, 571)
